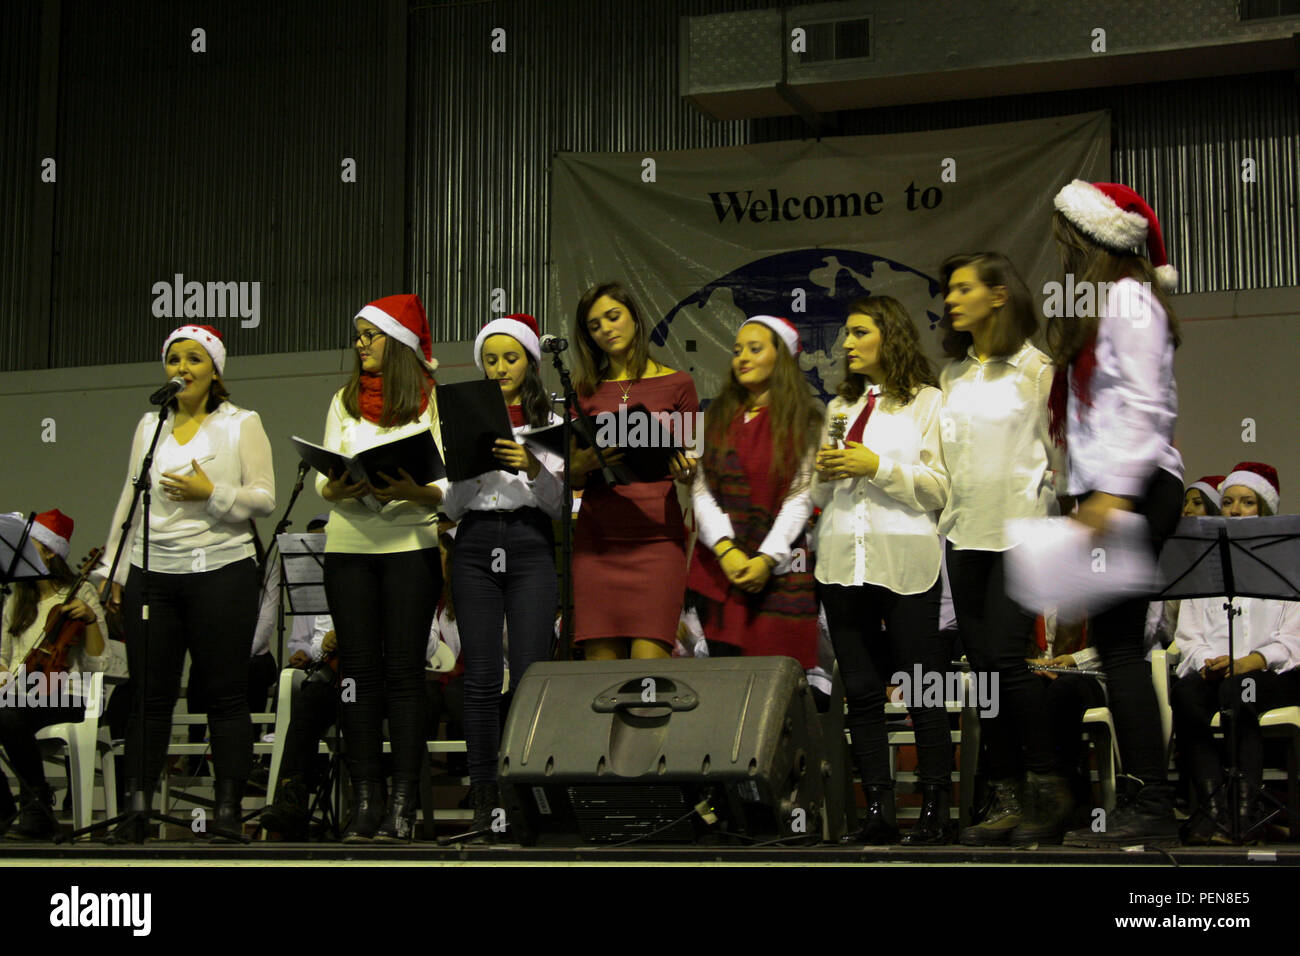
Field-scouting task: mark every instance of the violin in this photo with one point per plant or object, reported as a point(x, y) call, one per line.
point(62, 632)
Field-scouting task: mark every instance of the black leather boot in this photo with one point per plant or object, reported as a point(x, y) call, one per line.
point(1004, 816)
point(367, 813)
point(932, 827)
point(878, 826)
point(288, 815)
point(35, 815)
point(1049, 804)
point(398, 825)
point(226, 826)
point(1146, 818)
point(1248, 833)
point(1211, 817)
point(485, 799)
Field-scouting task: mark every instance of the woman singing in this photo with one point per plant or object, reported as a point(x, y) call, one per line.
point(752, 502)
point(630, 540)
point(383, 573)
point(505, 551)
point(878, 555)
point(211, 473)
point(1003, 465)
point(1115, 402)
point(24, 626)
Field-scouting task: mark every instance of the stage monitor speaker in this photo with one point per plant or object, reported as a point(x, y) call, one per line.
point(728, 750)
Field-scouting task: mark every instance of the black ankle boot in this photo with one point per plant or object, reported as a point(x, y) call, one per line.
point(35, 815)
point(878, 827)
point(226, 826)
point(485, 798)
point(1145, 818)
point(931, 827)
point(367, 813)
point(1211, 817)
point(1248, 834)
point(1005, 814)
point(288, 815)
point(398, 825)
point(1048, 807)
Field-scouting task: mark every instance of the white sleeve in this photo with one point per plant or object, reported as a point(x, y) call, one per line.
point(322, 626)
point(791, 520)
point(1193, 637)
point(88, 661)
point(711, 522)
point(923, 485)
point(1056, 454)
point(1138, 334)
point(821, 491)
point(548, 486)
point(300, 636)
point(119, 514)
point(1282, 650)
point(268, 616)
point(255, 496)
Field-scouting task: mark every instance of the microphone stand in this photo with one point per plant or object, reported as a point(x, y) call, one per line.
point(138, 809)
point(281, 527)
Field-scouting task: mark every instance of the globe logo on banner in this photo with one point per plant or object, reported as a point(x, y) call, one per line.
point(830, 279)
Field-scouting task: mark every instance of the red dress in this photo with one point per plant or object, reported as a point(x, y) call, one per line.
point(629, 550)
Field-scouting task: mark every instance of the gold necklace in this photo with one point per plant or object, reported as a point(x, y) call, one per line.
point(626, 391)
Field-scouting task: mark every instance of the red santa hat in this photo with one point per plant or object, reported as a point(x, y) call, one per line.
point(1259, 478)
point(206, 336)
point(1118, 218)
point(520, 327)
point(784, 329)
point(1208, 486)
point(402, 317)
point(54, 530)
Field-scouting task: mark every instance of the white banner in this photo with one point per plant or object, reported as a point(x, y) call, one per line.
point(705, 237)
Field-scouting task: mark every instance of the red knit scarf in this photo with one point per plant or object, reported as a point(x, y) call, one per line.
point(370, 397)
point(1077, 379)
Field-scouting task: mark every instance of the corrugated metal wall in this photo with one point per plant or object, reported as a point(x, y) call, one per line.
point(225, 166)
point(220, 166)
point(1181, 145)
point(20, 169)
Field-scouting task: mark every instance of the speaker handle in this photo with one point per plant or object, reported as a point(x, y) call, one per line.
point(647, 693)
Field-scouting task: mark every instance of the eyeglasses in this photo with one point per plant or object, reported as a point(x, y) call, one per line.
point(367, 337)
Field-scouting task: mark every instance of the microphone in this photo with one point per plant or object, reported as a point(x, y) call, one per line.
point(167, 392)
point(553, 343)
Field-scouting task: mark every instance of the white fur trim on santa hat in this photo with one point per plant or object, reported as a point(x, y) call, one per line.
point(1206, 489)
point(215, 348)
point(390, 326)
point(784, 329)
point(1167, 276)
point(60, 546)
point(1097, 215)
point(1256, 483)
point(517, 330)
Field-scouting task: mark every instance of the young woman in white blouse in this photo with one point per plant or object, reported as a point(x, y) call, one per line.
point(878, 554)
point(1266, 641)
point(1003, 465)
point(505, 551)
point(1115, 403)
point(752, 502)
point(54, 702)
point(383, 573)
point(212, 472)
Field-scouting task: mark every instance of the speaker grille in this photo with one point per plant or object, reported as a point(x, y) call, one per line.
point(614, 814)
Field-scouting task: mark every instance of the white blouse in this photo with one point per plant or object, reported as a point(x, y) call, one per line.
point(14, 650)
point(713, 524)
point(1270, 627)
point(401, 525)
point(184, 536)
point(884, 530)
point(1127, 432)
point(997, 446)
point(502, 491)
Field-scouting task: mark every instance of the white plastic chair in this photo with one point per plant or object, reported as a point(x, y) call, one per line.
point(82, 742)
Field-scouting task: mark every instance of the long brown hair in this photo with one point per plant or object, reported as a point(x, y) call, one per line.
point(793, 412)
point(27, 598)
point(906, 367)
point(1012, 323)
point(1089, 261)
point(593, 364)
point(405, 381)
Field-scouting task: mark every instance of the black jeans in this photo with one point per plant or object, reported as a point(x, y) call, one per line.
point(854, 616)
point(1118, 636)
point(18, 726)
point(211, 614)
point(1068, 697)
point(383, 607)
point(995, 632)
point(315, 710)
point(1195, 701)
point(503, 571)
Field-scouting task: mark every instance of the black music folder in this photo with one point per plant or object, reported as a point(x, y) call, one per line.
point(473, 416)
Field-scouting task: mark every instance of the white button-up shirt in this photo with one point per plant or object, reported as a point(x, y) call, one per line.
point(884, 530)
point(1117, 442)
point(997, 447)
point(1270, 627)
point(502, 491)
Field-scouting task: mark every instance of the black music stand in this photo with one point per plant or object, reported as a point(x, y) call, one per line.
point(1228, 558)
